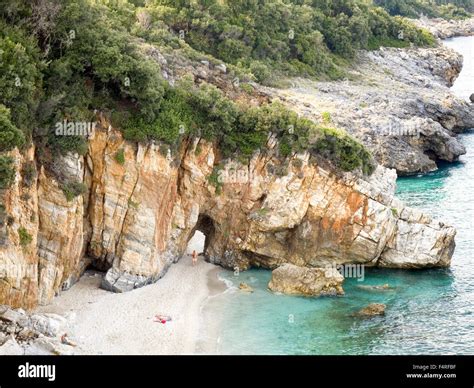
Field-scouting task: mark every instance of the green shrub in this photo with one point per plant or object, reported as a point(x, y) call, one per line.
point(213, 179)
point(25, 237)
point(326, 116)
point(20, 81)
point(7, 171)
point(28, 173)
point(73, 189)
point(120, 156)
point(10, 136)
point(261, 72)
point(296, 37)
point(240, 131)
point(198, 150)
point(297, 163)
point(284, 148)
point(65, 144)
point(453, 9)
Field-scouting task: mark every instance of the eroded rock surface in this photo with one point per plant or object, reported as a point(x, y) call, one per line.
point(32, 334)
point(294, 280)
point(135, 219)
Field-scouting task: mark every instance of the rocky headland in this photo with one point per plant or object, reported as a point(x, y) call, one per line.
point(134, 218)
point(397, 102)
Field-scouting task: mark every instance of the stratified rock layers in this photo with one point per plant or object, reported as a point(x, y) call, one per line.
point(136, 218)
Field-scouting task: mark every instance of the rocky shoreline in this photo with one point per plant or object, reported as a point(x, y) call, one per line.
point(397, 102)
point(22, 333)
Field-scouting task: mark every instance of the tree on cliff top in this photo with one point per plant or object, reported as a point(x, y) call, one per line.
point(63, 60)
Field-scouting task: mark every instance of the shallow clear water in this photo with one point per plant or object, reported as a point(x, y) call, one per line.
point(428, 312)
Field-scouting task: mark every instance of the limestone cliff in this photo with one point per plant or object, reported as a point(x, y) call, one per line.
point(136, 218)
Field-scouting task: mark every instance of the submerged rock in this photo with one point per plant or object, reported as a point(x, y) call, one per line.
point(383, 287)
point(371, 310)
point(294, 280)
point(245, 287)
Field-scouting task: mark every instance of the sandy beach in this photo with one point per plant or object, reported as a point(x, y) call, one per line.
point(102, 322)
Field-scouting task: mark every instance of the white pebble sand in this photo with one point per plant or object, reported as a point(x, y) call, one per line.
point(107, 323)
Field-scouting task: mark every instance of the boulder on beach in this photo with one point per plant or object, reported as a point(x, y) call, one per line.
point(11, 348)
point(294, 280)
point(371, 310)
point(32, 334)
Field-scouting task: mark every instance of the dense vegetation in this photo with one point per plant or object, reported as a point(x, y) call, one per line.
point(303, 37)
point(448, 9)
point(66, 60)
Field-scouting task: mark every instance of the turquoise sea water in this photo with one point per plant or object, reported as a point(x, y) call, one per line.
point(428, 311)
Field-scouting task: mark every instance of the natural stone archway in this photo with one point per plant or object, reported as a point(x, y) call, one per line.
point(205, 225)
point(196, 243)
point(139, 217)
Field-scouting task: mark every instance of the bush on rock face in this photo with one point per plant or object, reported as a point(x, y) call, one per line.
point(10, 135)
point(7, 171)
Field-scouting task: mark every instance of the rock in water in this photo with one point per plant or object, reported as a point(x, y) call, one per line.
point(382, 287)
point(245, 287)
point(294, 280)
point(372, 310)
